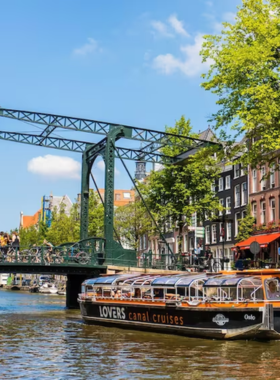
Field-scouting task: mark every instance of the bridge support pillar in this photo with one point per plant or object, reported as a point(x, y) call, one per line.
point(73, 288)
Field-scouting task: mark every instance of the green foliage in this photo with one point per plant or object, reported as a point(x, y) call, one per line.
point(131, 222)
point(33, 235)
point(178, 191)
point(245, 227)
point(64, 228)
point(96, 216)
point(182, 128)
point(244, 75)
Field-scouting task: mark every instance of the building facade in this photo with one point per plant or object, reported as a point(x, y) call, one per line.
point(232, 190)
point(264, 195)
point(48, 203)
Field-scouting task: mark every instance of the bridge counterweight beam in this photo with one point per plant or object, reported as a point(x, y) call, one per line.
point(86, 169)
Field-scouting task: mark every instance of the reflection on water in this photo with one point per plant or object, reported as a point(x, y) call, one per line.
point(41, 340)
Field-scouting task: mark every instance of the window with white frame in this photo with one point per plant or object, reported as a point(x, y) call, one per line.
point(244, 194)
point(213, 187)
point(221, 201)
point(214, 233)
point(228, 205)
point(254, 210)
point(241, 170)
point(272, 209)
point(237, 196)
point(227, 182)
point(221, 184)
point(222, 232)
point(229, 230)
point(272, 176)
point(263, 180)
point(186, 243)
point(207, 235)
point(254, 181)
point(263, 212)
point(236, 170)
point(236, 222)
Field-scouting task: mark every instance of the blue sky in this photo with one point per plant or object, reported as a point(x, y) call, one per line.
point(130, 62)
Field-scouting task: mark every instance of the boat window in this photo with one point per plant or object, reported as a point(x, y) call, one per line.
point(272, 288)
point(212, 293)
point(158, 293)
point(250, 289)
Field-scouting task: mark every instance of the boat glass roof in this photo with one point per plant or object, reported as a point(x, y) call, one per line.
point(187, 280)
point(165, 281)
point(233, 281)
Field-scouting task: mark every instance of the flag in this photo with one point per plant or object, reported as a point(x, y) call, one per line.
point(222, 233)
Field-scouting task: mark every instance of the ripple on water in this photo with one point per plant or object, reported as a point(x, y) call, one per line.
point(40, 339)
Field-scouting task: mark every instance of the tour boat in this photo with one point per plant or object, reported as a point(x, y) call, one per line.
point(227, 305)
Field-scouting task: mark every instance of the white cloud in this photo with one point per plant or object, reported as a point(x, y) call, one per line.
point(177, 25)
point(55, 167)
point(90, 47)
point(161, 29)
point(101, 166)
point(190, 66)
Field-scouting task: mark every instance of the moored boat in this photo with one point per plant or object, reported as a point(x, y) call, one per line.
point(232, 305)
point(48, 288)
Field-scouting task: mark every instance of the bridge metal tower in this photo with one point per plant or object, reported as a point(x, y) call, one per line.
point(150, 151)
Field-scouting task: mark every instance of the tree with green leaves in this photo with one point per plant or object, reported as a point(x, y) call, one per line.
point(178, 191)
point(64, 228)
point(96, 216)
point(33, 235)
point(132, 221)
point(245, 227)
point(245, 77)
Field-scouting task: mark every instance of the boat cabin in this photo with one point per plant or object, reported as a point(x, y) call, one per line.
point(252, 286)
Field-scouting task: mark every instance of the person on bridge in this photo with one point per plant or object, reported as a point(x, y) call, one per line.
point(48, 252)
point(15, 241)
point(6, 241)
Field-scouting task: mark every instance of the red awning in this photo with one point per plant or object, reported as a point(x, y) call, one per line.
point(263, 240)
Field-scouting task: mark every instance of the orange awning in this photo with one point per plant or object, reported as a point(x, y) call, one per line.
point(263, 240)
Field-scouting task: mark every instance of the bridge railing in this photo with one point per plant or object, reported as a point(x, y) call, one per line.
point(88, 252)
point(149, 260)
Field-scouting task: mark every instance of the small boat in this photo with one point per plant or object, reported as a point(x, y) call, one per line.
point(34, 289)
point(48, 288)
point(61, 292)
point(227, 305)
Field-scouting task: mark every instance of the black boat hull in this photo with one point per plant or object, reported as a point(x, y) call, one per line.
point(208, 322)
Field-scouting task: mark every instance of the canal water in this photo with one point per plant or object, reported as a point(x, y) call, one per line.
point(40, 339)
